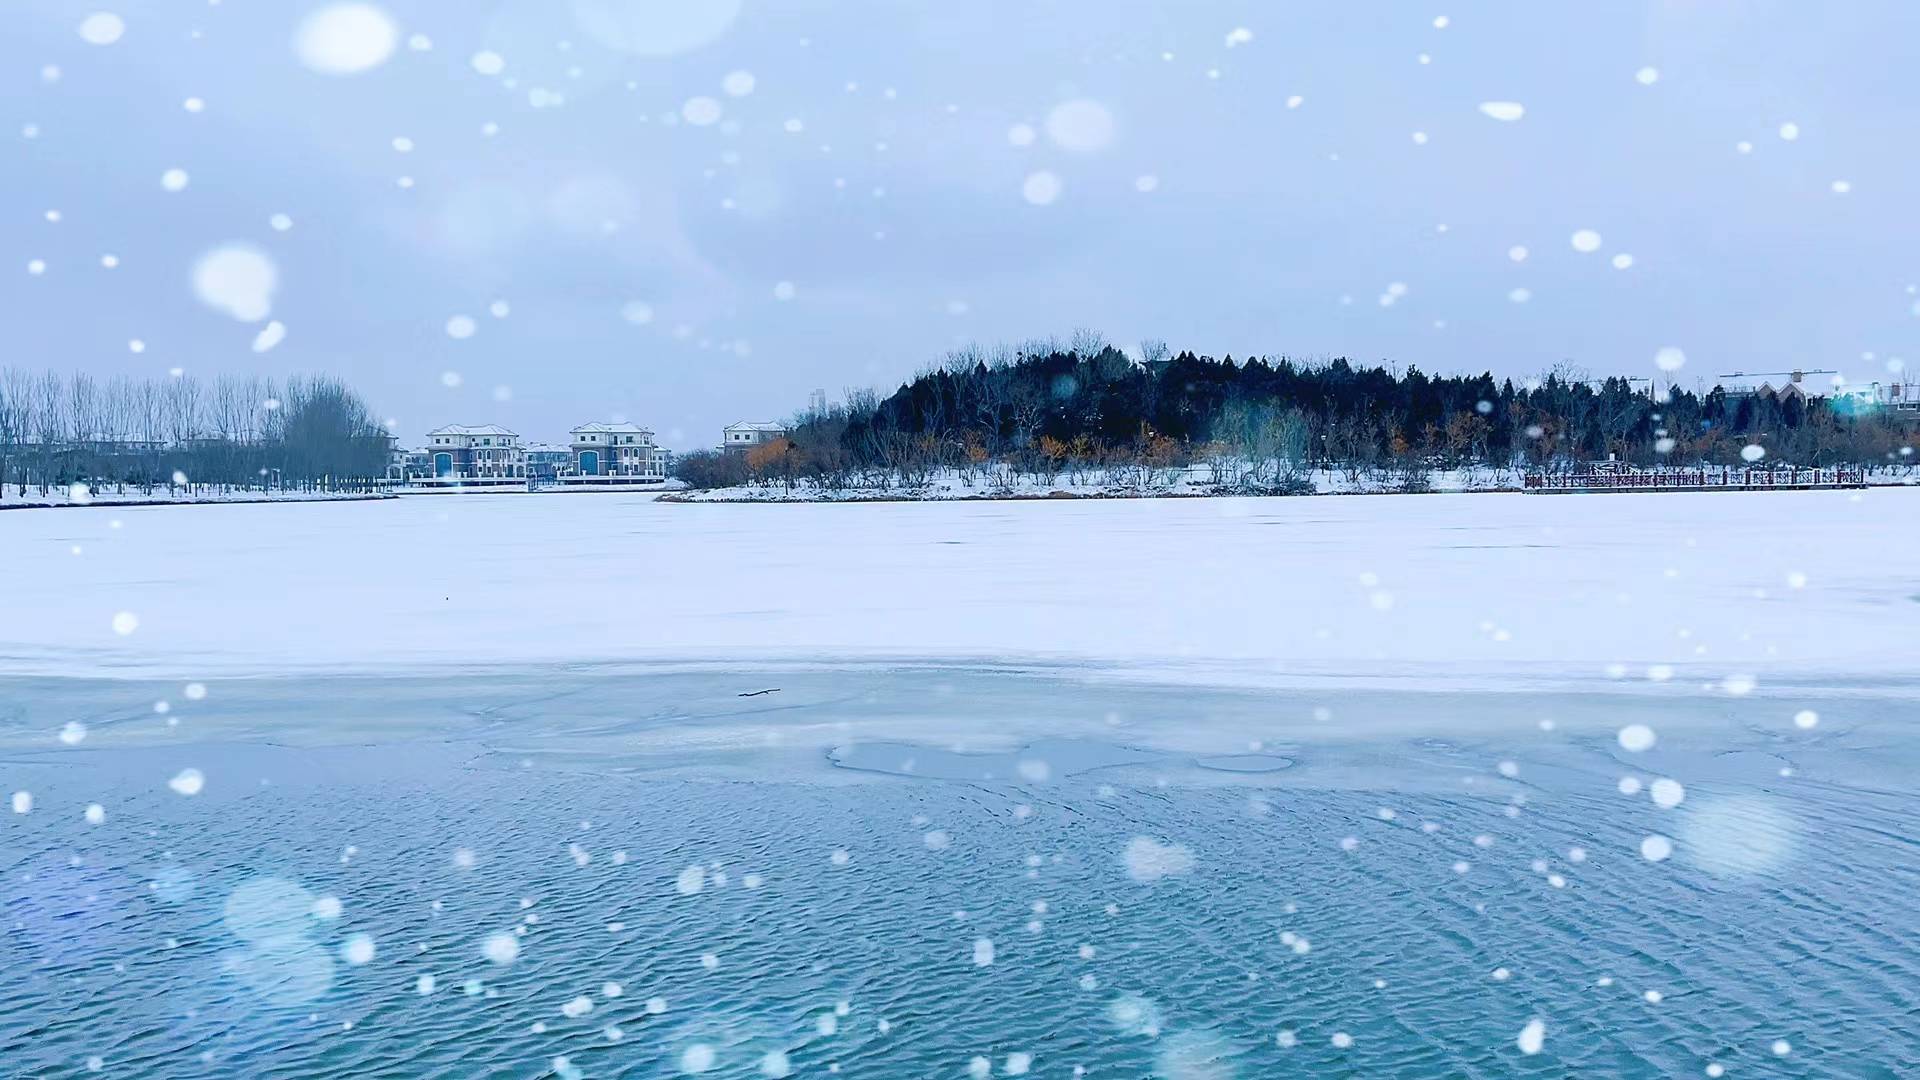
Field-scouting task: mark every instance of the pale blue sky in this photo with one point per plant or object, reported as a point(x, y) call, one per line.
point(897, 213)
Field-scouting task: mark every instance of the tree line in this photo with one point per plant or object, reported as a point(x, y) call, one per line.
point(1088, 411)
point(236, 432)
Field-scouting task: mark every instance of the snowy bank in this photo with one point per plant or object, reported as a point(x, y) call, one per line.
point(1195, 481)
point(1673, 589)
point(134, 496)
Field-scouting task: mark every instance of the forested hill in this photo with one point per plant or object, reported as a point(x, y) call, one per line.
point(1338, 411)
point(1262, 422)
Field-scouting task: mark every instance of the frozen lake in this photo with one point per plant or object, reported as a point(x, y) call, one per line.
point(1483, 588)
point(1188, 789)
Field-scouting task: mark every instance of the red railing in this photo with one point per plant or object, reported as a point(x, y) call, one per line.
point(1724, 477)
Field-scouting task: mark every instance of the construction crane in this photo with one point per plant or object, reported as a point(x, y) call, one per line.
point(1596, 384)
point(1797, 374)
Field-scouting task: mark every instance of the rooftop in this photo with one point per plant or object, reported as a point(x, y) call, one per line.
point(468, 429)
point(617, 429)
point(748, 425)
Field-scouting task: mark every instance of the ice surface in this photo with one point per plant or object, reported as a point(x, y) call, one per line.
point(1489, 591)
point(777, 772)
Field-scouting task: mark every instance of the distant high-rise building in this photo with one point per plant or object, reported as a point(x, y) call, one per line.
point(817, 402)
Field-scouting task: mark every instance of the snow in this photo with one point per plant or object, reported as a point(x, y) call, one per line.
point(1636, 738)
point(697, 1058)
point(236, 279)
point(1532, 1037)
point(701, 111)
point(1200, 478)
point(501, 948)
point(102, 28)
point(1243, 591)
point(345, 39)
point(1667, 793)
point(1148, 860)
point(690, 880)
point(1507, 111)
point(1081, 126)
point(1041, 188)
point(271, 335)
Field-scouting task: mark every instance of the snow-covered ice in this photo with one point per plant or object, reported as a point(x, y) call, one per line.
point(1248, 591)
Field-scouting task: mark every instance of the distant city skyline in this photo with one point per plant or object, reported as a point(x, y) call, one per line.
point(538, 214)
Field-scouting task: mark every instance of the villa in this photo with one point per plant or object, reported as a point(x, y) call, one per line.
point(746, 435)
point(546, 461)
point(462, 454)
point(490, 457)
point(604, 453)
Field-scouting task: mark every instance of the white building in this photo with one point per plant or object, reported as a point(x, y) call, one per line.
point(616, 452)
point(746, 435)
point(459, 452)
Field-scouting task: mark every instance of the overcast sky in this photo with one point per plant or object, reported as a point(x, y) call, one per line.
point(690, 212)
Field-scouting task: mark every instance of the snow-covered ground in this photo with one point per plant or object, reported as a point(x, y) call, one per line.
point(1449, 590)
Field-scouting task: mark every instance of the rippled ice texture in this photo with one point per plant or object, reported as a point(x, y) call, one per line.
point(619, 823)
point(622, 867)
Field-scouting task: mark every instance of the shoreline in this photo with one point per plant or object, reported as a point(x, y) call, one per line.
point(122, 503)
point(694, 498)
point(689, 498)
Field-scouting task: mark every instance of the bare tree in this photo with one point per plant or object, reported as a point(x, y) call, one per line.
point(58, 430)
